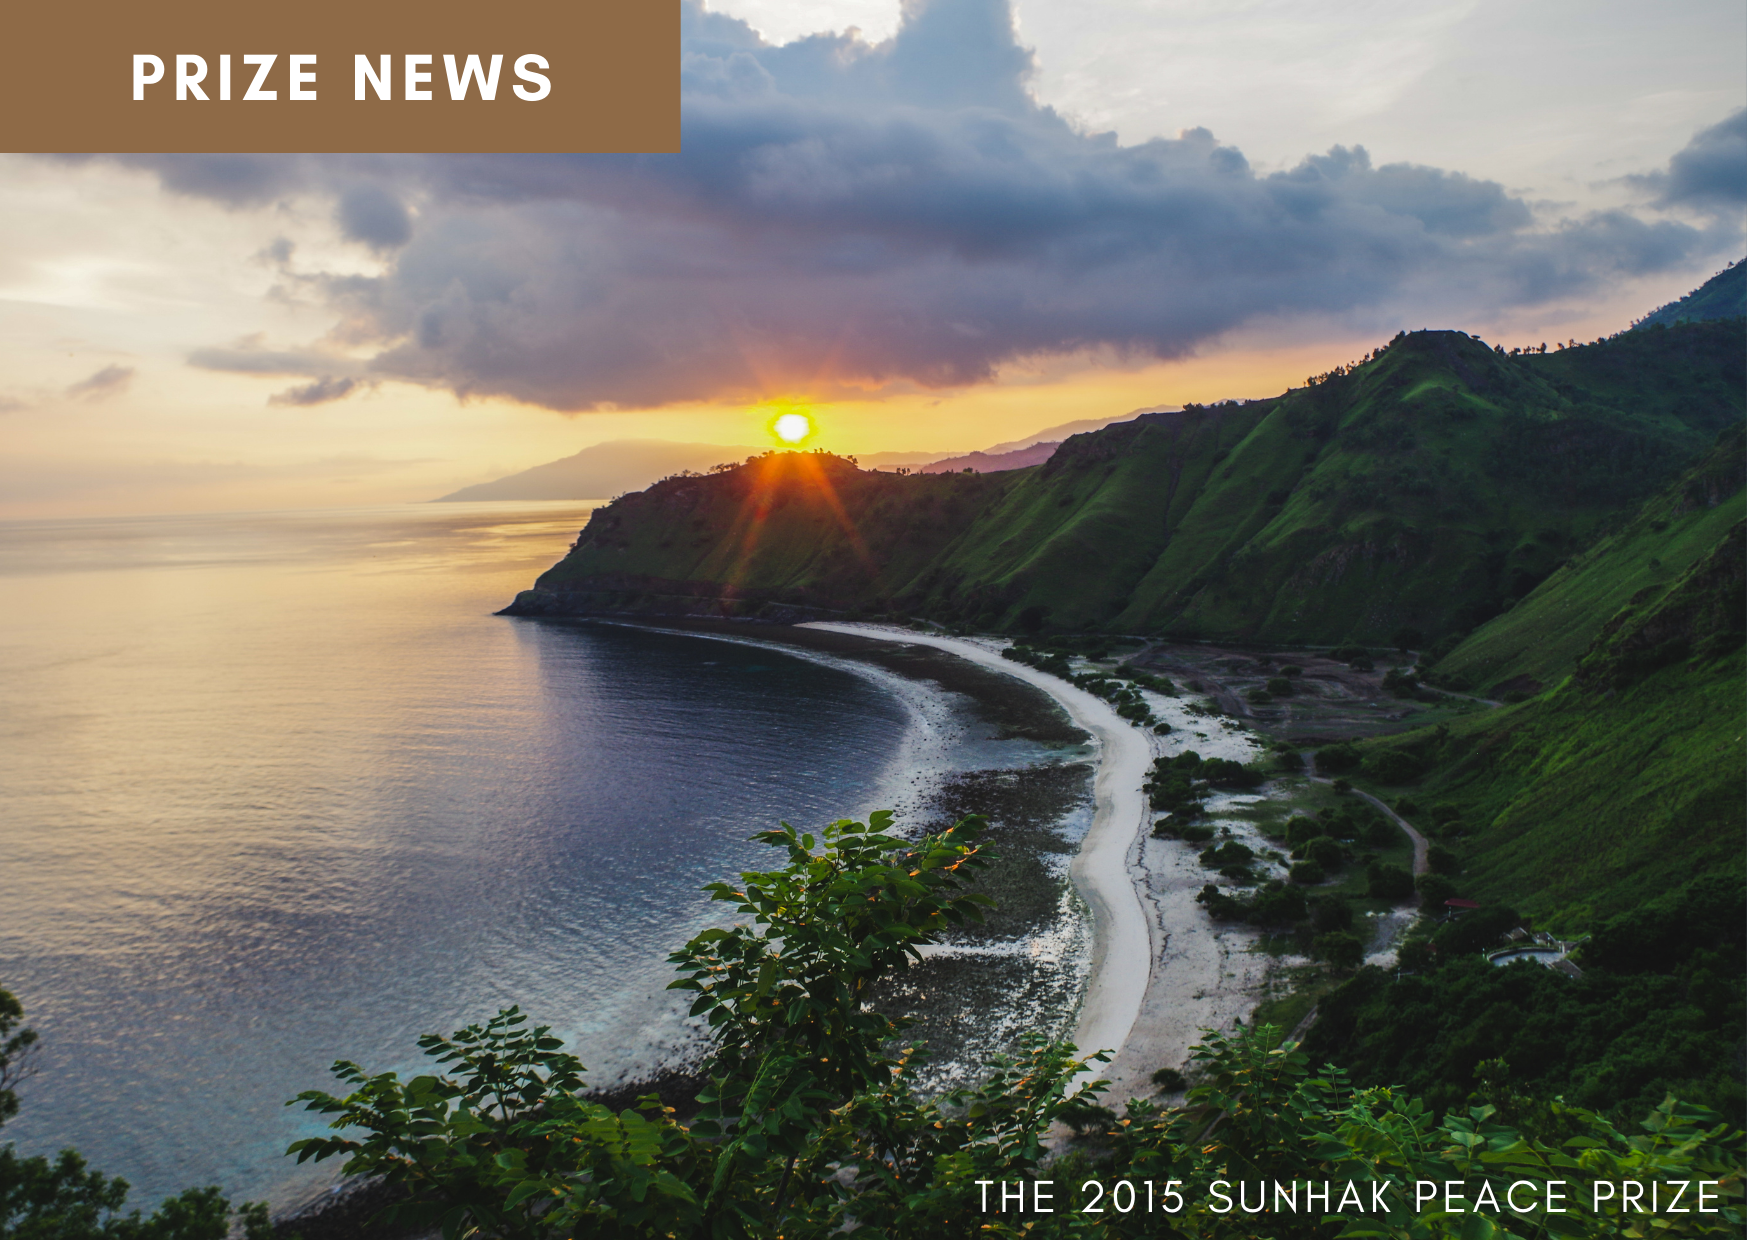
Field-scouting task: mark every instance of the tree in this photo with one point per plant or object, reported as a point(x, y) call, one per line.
point(1477, 931)
point(1388, 882)
point(1434, 890)
point(1307, 872)
point(1332, 913)
point(794, 1040)
point(1339, 949)
point(1337, 759)
point(1416, 956)
point(1325, 852)
point(1393, 766)
point(1443, 860)
point(502, 1138)
point(17, 1049)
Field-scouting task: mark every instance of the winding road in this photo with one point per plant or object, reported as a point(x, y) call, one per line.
point(1421, 864)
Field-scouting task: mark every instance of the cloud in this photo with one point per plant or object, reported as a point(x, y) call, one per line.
point(12, 404)
point(1710, 173)
point(847, 215)
point(327, 388)
point(369, 213)
point(102, 384)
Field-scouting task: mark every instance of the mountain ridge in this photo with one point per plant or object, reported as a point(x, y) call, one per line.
point(1431, 487)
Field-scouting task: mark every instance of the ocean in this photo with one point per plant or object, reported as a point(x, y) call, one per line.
point(279, 789)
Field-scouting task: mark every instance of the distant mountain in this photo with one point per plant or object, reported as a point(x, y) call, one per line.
point(994, 462)
point(603, 471)
point(1724, 296)
point(621, 465)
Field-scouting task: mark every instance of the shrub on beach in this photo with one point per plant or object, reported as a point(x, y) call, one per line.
point(1339, 950)
point(1325, 852)
point(1388, 882)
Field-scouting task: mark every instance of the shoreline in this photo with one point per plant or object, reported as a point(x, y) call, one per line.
point(1124, 937)
point(1162, 970)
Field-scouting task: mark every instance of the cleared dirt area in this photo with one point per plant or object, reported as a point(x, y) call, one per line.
point(1324, 699)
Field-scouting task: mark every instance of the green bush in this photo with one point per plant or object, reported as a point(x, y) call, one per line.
point(1477, 931)
point(1277, 904)
point(1280, 686)
point(1393, 766)
point(1301, 830)
point(1325, 852)
point(1225, 773)
point(1307, 872)
point(1337, 759)
point(1331, 913)
point(1443, 860)
point(1416, 956)
point(1229, 853)
point(1434, 890)
point(1388, 882)
point(1339, 949)
point(1169, 1081)
point(1381, 832)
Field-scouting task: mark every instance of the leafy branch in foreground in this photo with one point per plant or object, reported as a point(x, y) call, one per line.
point(811, 1125)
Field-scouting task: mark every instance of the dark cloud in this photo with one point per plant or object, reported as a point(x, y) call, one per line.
point(369, 213)
point(854, 216)
point(1709, 173)
point(328, 388)
point(102, 384)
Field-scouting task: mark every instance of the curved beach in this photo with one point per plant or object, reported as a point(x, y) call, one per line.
point(1123, 933)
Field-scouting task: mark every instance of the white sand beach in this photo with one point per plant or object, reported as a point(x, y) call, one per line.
point(1161, 971)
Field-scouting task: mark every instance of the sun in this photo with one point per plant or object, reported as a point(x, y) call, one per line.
point(792, 427)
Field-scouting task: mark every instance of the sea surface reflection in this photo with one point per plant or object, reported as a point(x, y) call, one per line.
point(279, 789)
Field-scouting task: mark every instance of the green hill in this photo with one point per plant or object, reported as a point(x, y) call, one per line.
point(1610, 806)
point(1724, 296)
point(1429, 487)
point(1535, 643)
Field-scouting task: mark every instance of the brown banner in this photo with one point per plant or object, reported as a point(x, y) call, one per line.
point(219, 75)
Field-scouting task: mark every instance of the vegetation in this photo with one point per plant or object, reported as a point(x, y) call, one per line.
point(1423, 491)
point(1724, 296)
point(811, 1124)
point(1609, 804)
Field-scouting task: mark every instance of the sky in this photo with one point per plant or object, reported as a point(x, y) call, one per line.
point(937, 225)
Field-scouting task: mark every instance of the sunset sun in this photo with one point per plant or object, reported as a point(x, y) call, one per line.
point(792, 427)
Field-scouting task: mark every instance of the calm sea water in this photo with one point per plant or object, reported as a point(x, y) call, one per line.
point(279, 789)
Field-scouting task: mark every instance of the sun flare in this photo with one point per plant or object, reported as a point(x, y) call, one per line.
point(792, 427)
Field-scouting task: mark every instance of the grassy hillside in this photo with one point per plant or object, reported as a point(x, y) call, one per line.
point(784, 535)
point(1724, 296)
point(1610, 806)
point(1535, 644)
point(1430, 486)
